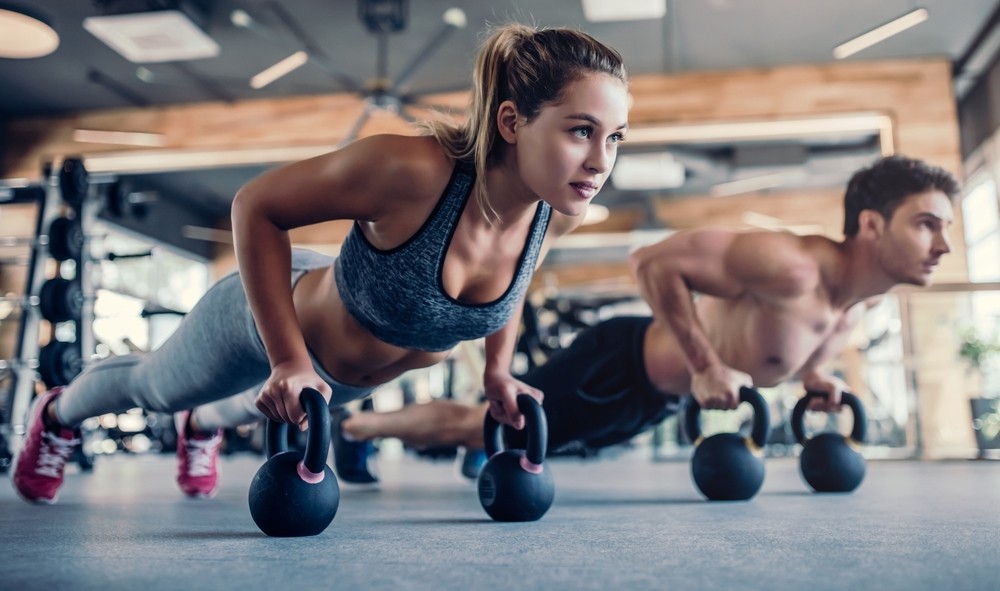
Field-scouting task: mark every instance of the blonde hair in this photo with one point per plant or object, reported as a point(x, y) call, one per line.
point(531, 68)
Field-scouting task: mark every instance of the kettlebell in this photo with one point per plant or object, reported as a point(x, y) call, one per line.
point(295, 493)
point(727, 466)
point(515, 485)
point(831, 462)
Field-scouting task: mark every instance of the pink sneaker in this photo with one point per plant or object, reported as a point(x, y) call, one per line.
point(197, 460)
point(38, 470)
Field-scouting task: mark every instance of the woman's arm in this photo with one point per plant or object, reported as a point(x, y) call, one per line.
point(359, 182)
point(500, 387)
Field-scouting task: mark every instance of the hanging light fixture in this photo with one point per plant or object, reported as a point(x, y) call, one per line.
point(25, 34)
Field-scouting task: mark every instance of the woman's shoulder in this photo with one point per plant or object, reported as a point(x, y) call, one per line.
point(400, 171)
point(405, 162)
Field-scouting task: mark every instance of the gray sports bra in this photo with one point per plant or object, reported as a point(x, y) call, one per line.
point(398, 294)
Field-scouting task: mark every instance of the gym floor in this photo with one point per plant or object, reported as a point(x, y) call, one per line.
point(622, 523)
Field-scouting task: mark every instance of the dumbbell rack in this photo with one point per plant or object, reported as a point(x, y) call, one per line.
point(63, 208)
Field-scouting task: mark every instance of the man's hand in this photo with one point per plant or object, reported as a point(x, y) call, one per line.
point(718, 387)
point(832, 386)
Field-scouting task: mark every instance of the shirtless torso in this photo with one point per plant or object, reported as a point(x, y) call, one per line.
point(773, 305)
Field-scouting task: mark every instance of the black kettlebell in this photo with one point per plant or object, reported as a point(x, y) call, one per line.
point(727, 466)
point(831, 462)
point(296, 493)
point(514, 485)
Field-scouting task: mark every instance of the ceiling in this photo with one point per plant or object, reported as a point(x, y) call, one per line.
point(695, 35)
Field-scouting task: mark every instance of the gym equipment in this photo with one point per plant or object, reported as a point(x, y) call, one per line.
point(296, 493)
point(728, 466)
point(73, 182)
point(8, 241)
point(65, 239)
point(831, 462)
point(29, 194)
point(61, 300)
point(59, 362)
point(514, 485)
point(122, 200)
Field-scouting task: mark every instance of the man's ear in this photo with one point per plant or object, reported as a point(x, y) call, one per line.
point(507, 121)
point(871, 222)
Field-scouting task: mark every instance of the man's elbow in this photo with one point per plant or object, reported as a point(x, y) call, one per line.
point(639, 262)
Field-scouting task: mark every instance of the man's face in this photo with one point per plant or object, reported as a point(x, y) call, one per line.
point(916, 237)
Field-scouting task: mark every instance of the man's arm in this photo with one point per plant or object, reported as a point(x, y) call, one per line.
point(812, 374)
point(724, 264)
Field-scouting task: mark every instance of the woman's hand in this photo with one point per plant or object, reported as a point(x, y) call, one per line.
point(279, 396)
point(501, 391)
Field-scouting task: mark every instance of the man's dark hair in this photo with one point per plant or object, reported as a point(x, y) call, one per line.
point(885, 184)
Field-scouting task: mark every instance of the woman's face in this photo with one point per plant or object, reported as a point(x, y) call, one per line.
point(565, 155)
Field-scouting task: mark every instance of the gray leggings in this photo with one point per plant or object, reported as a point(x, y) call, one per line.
point(215, 356)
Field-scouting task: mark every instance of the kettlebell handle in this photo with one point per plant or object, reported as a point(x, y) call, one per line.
point(798, 414)
point(318, 439)
point(535, 425)
point(761, 417)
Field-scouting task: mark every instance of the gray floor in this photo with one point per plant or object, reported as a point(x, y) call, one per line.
point(625, 523)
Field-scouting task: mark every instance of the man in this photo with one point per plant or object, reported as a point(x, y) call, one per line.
point(771, 306)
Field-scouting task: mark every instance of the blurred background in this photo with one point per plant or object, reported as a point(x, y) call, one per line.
point(136, 121)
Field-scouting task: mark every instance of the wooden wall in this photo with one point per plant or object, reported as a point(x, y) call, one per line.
point(916, 94)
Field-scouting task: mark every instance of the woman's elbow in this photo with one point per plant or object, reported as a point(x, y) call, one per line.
point(245, 203)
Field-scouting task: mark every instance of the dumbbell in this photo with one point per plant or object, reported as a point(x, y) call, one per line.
point(64, 240)
point(57, 364)
point(74, 181)
point(59, 300)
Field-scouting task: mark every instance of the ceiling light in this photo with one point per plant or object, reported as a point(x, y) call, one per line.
point(455, 17)
point(282, 68)
point(160, 36)
point(597, 11)
point(751, 184)
point(681, 133)
point(643, 172)
point(125, 138)
point(24, 34)
point(880, 34)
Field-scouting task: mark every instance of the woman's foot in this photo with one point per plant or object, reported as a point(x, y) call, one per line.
point(39, 468)
point(197, 459)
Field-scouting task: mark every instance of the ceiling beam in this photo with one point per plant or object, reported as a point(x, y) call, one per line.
point(221, 133)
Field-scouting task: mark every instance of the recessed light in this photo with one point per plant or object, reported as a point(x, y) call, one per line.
point(147, 37)
point(880, 34)
point(25, 34)
point(597, 11)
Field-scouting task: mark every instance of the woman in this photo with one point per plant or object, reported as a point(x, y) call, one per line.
point(449, 227)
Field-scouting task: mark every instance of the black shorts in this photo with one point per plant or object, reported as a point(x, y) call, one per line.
point(596, 391)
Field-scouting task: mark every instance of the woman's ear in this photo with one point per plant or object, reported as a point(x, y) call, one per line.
point(507, 121)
